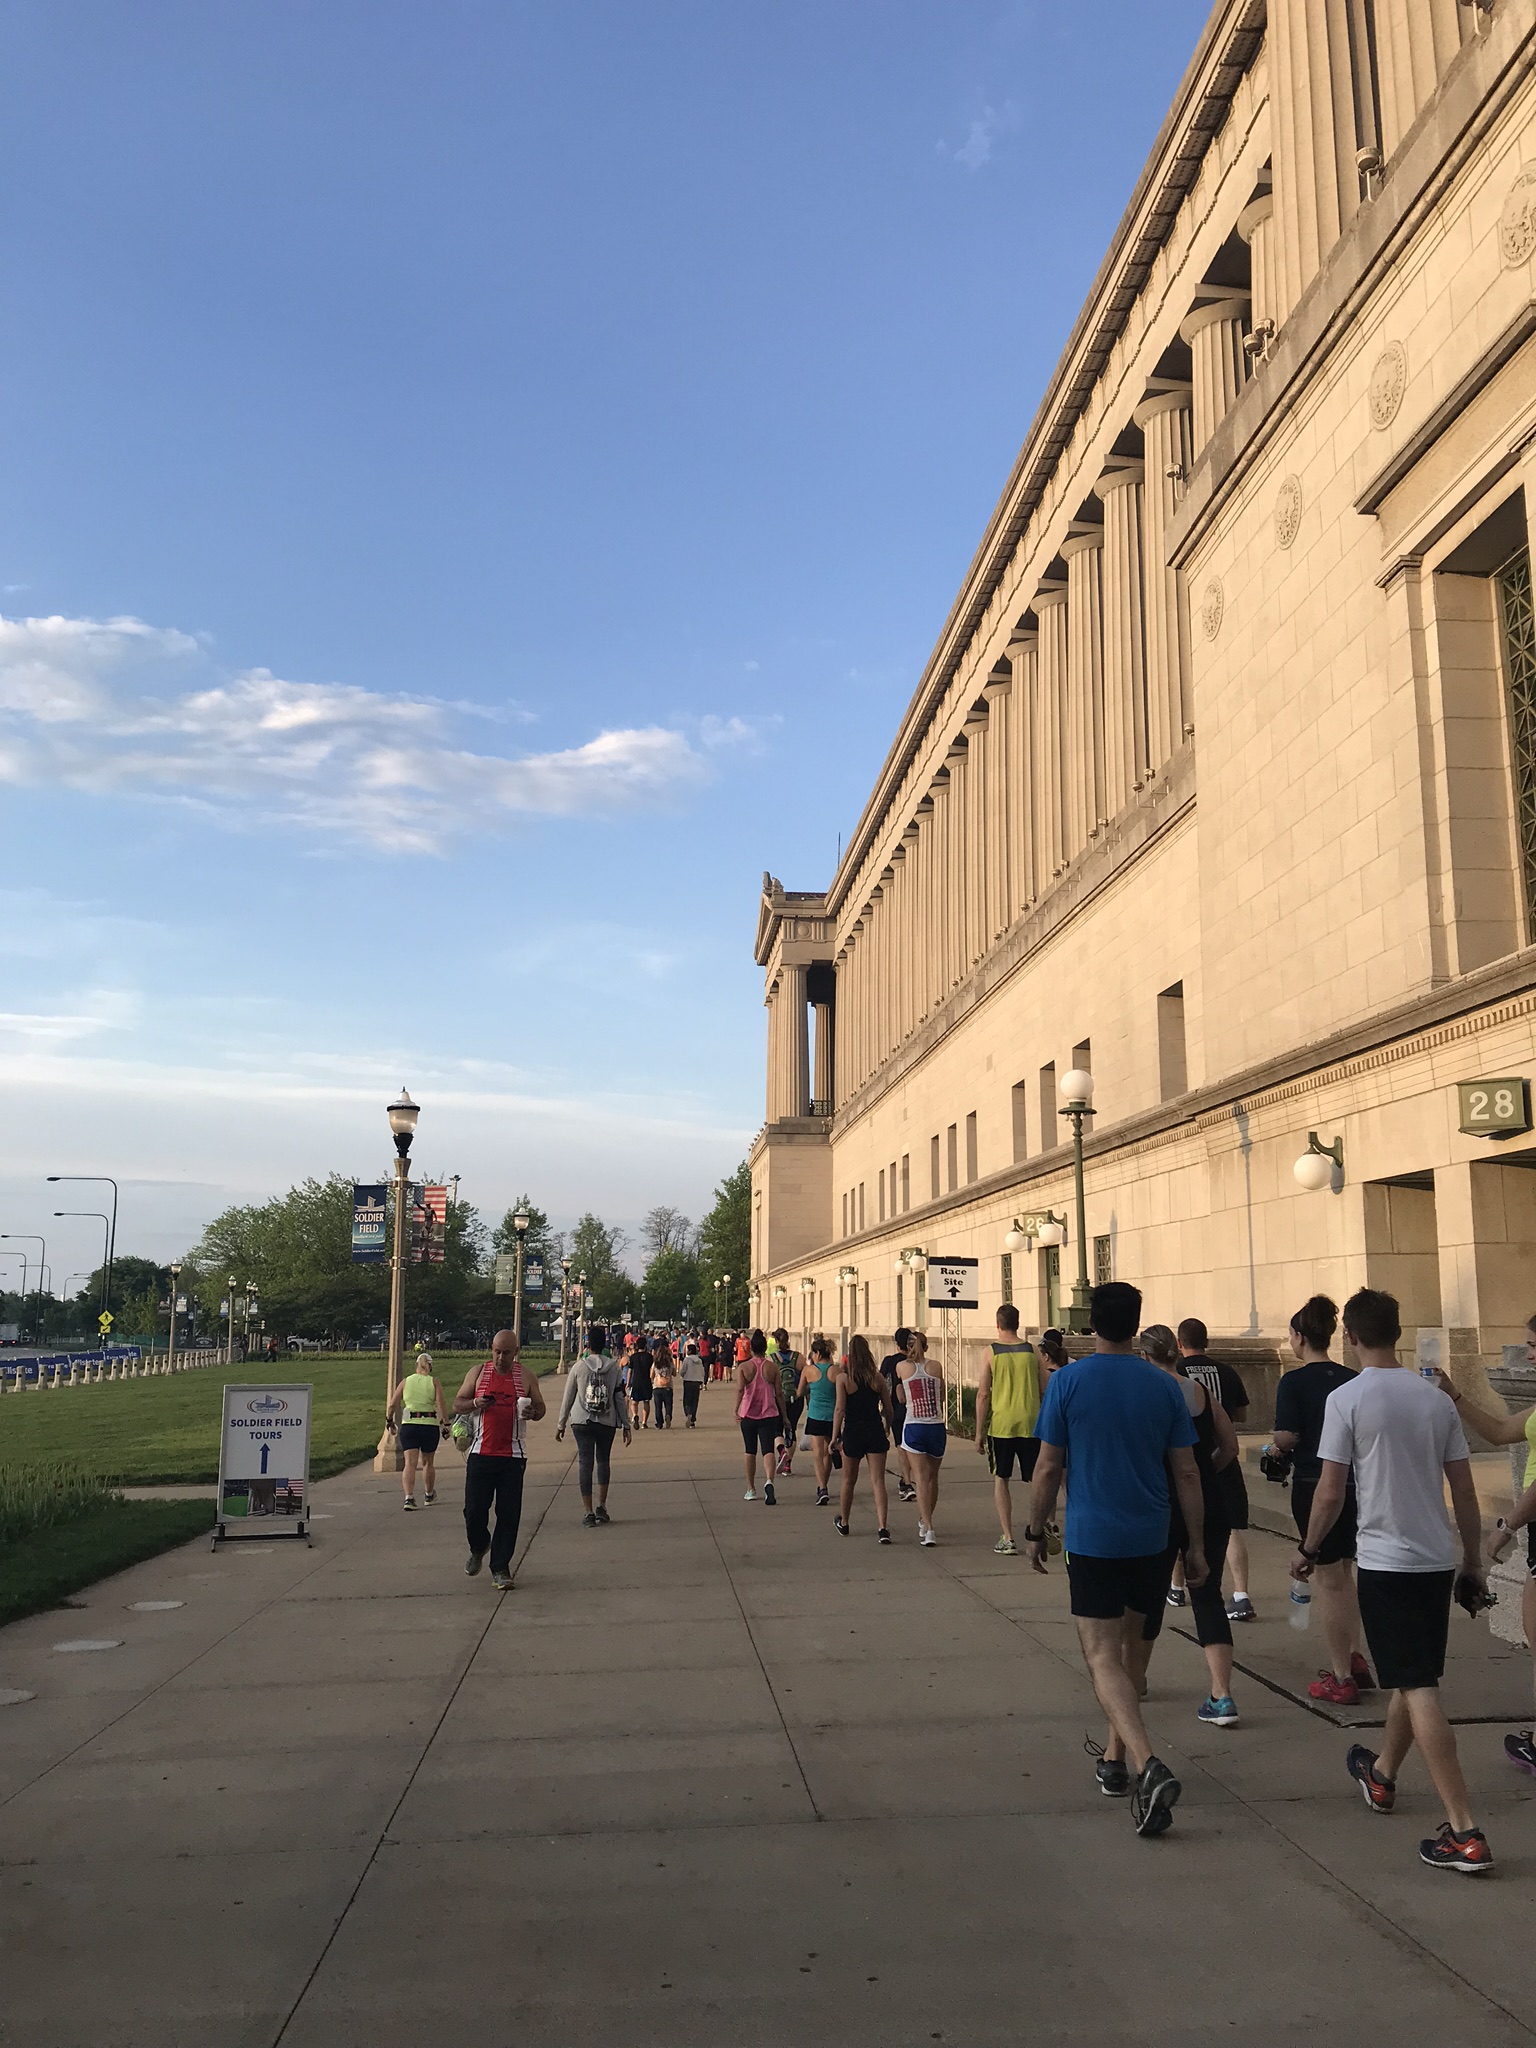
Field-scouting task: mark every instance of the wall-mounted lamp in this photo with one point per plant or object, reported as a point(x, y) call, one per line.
point(1320, 1166)
point(1041, 1227)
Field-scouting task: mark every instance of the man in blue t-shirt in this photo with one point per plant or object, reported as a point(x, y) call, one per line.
point(1117, 1427)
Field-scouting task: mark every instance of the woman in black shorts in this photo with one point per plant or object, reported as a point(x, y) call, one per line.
point(859, 1430)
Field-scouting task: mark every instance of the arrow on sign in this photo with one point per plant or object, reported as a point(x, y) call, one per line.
point(264, 1450)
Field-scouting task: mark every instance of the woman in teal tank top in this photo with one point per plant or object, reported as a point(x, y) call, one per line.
point(818, 1383)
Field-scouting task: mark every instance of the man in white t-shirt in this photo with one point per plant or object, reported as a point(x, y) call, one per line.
point(1404, 1441)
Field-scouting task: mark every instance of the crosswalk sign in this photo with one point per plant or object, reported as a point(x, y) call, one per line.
point(104, 1321)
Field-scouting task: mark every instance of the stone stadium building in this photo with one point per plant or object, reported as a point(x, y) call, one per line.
point(1220, 783)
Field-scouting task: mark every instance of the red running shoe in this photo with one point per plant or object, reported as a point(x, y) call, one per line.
point(1360, 1672)
point(1338, 1692)
point(1447, 1850)
point(1379, 1794)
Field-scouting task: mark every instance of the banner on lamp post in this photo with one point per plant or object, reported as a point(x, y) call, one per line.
point(370, 1232)
point(506, 1272)
point(533, 1274)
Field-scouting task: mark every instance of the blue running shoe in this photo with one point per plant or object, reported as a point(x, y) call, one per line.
point(1218, 1713)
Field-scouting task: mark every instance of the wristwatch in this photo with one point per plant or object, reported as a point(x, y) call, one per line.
point(1033, 1535)
point(1310, 1555)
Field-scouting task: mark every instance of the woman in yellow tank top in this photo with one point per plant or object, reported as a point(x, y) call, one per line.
point(1521, 1519)
point(419, 1401)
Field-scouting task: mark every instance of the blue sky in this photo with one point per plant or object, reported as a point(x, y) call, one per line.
point(478, 484)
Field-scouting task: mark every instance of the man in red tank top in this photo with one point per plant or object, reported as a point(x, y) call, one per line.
point(503, 1399)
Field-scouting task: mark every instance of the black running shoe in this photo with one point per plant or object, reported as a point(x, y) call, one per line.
point(601, 1515)
point(1114, 1779)
point(1152, 1802)
point(840, 1525)
point(589, 1521)
point(822, 1497)
point(884, 1535)
point(768, 1494)
point(473, 1562)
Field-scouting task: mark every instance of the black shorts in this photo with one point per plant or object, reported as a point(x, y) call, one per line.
point(420, 1436)
point(1339, 1543)
point(760, 1433)
point(1003, 1452)
point(815, 1428)
point(1406, 1617)
point(1104, 1587)
point(1234, 1495)
point(858, 1445)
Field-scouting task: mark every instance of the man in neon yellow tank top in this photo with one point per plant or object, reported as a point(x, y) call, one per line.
point(1007, 1405)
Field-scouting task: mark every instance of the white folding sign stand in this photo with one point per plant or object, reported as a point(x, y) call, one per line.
point(264, 1463)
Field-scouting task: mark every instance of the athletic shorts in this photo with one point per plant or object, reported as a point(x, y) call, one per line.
point(420, 1436)
point(928, 1439)
point(814, 1427)
point(858, 1445)
point(1406, 1617)
point(1339, 1543)
point(760, 1432)
point(1104, 1587)
point(1003, 1452)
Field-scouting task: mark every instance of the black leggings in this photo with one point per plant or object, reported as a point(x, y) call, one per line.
point(594, 1444)
point(662, 1396)
point(1207, 1608)
point(499, 1480)
point(794, 1408)
point(691, 1392)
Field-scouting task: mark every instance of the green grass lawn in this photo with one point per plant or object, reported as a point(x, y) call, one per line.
point(165, 1431)
point(43, 1568)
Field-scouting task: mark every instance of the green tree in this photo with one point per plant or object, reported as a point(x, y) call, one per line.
point(595, 1250)
point(671, 1283)
point(725, 1246)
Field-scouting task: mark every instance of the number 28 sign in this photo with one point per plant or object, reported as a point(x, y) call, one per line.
point(1495, 1109)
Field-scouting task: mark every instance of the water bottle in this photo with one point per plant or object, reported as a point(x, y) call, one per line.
point(1301, 1603)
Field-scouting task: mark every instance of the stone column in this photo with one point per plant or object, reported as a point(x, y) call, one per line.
point(1125, 677)
point(1164, 419)
point(923, 937)
point(826, 1067)
point(1215, 333)
point(1022, 793)
point(958, 761)
point(1415, 42)
point(983, 859)
point(798, 1042)
point(942, 899)
point(771, 1109)
point(1256, 225)
point(879, 953)
point(1084, 743)
point(842, 967)
point(1051, 704)
point(1001, 896)
point(1312, 116)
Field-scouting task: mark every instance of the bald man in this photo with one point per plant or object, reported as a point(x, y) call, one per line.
point(503, 1399)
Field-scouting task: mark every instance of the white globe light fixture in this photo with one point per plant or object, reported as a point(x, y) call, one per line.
point(1076, 1088)
point(1320, 1166)
point(1015, 1240)
point(1052, 1235)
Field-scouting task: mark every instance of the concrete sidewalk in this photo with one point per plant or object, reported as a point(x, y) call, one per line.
point(712, 1774)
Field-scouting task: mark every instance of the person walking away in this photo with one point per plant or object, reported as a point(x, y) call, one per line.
point(594, 1395)
point(794, 1401)
point(760, 1411)
point(640, 1383)
point(743, 1353)
point(890, 1372)
point(503, 1399)
point(418, 1402)
point(1513, 1429)
point(707, 1351)
point(818, 1389)
point(1215, 1447)
point(1224, 1383)
point(1300, 1400)
point(925, 1431)
point(1405, 1441)
point(662, 1369)
point(860, 1421)
point(1007, 1405)
point(1118, 1428)
point(695, 1371)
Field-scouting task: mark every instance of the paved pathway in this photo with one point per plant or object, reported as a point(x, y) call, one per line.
point(711, 1775)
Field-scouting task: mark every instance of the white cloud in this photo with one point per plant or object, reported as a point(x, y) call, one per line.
point(335, 758)
point(981, 136)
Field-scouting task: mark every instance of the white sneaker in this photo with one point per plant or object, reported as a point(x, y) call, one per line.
point(926, 1538)
point(749, 1494)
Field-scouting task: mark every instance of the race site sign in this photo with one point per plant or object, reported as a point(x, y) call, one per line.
point(953, 1283)
point(370, 1229)
point(264, 1461)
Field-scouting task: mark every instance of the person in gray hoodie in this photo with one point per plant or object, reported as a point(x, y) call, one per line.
point(595, 1396)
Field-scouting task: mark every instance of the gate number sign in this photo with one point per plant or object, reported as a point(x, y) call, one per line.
point(1495, 1109)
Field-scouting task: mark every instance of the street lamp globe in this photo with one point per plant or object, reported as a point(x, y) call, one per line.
point(919, 1263)
point(1076, 1089)
point(520, 1223)
point(1015, 1240)
point(1051, 1236)
point(402, 1121)
point(1313, 1171)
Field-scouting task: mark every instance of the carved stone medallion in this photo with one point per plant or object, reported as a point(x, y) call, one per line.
point(1388, 381)
point(1517, 222)
point(1212, 606)
point(1288, 510)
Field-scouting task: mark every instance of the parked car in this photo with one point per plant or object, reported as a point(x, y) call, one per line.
point(305, 1344)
